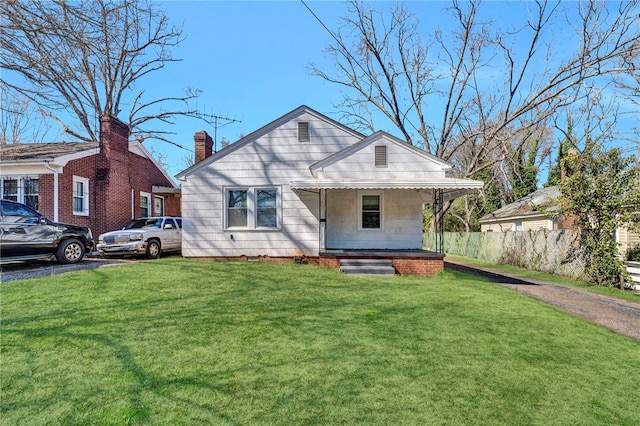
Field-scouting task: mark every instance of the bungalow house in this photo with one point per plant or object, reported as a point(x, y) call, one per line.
point(307, 187)
point(101, 184)
point(532, 212)
point(529, 212)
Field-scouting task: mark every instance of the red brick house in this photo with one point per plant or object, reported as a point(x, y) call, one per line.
point(102, 184)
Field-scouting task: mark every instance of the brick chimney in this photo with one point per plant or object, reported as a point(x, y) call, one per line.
point(114, 134)
point(203, 145)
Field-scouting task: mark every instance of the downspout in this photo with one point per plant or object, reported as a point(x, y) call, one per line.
point(55, 192)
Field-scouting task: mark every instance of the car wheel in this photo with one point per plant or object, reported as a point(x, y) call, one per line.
point(70, 251)
point(153, 249)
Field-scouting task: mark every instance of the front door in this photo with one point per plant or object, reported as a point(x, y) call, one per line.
point(158, 206)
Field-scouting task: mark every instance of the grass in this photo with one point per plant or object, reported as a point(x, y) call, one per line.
point(179, 341)
point(632, 296)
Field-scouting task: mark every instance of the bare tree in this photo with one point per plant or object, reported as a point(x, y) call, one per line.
point(20, 121)
point(85, 59)
point(478, 94)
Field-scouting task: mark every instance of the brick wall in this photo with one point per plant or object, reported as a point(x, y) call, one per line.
point(113, 175)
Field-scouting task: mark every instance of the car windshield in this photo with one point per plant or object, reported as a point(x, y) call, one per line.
point(144, 223)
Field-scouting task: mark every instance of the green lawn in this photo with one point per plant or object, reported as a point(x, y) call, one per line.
point(189, 342)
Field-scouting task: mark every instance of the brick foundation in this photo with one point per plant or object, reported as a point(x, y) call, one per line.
point(416, 266)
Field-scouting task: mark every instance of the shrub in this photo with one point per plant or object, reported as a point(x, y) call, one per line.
point(633, 254)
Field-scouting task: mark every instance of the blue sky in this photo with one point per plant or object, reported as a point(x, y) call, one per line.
point(251, 59)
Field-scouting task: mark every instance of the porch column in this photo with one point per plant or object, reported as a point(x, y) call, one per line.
point(322, 216)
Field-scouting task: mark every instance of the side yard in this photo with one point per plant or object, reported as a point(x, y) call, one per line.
point(179, 341)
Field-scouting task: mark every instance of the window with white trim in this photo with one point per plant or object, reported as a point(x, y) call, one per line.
point(145, 204)
point(370, 207)
point(22, 189)
point(80, 196)
point(252, 208)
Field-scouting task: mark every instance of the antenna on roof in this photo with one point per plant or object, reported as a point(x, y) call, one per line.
point(213, 120)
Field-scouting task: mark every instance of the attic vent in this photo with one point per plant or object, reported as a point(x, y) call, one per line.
point(303, 131)
point(381, 156)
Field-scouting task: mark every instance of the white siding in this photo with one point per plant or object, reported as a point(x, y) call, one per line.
point(402, 164)
point(273, 159)
point(401, 217)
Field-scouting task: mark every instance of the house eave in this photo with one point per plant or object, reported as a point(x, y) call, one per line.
point(452, 188)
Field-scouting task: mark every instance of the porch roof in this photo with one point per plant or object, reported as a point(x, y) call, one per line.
point(451, 187)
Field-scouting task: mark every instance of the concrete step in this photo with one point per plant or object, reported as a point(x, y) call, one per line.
point(367, 267)
point(366, 262)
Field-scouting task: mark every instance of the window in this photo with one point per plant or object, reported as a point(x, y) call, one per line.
point(266, 212)
point(252, 208)
point(22, 189)
point(145, 204)
point(381, 156)
point(237, 208)
point(371, 211)
point(80, 196)
point(303, 131)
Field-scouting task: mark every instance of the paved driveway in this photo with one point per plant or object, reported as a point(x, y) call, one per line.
point(617, 315)
point(24, 270)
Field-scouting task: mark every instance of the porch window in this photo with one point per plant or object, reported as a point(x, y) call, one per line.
point(371, 212)
point(80, 196)
point(252, 208)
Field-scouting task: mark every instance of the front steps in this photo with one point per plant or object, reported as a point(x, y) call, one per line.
point(367, 267)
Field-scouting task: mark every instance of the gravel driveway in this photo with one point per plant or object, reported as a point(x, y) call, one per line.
point(617, 315)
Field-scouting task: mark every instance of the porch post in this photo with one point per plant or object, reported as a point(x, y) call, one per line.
point(322, 216)
point(438, 215)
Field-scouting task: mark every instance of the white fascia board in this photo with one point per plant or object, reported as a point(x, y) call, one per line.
point(29, 168)
point(64, 159)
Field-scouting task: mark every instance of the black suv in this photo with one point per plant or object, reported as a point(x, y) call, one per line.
point(25, 234)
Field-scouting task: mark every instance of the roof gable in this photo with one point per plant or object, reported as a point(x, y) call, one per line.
point(252, 137)
point(426, 160)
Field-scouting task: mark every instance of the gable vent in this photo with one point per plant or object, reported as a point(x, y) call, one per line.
point(381, 156)
point(303, 131)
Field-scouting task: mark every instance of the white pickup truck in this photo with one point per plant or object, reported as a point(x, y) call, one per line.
point(148, 236)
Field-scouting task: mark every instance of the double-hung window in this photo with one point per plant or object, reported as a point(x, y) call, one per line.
point(80, 196)
point(252, 208)
point(370, 211)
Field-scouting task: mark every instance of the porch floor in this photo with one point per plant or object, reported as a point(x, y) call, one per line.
point(381, 253)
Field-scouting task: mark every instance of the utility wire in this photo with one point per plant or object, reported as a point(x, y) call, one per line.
point(348, 53)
